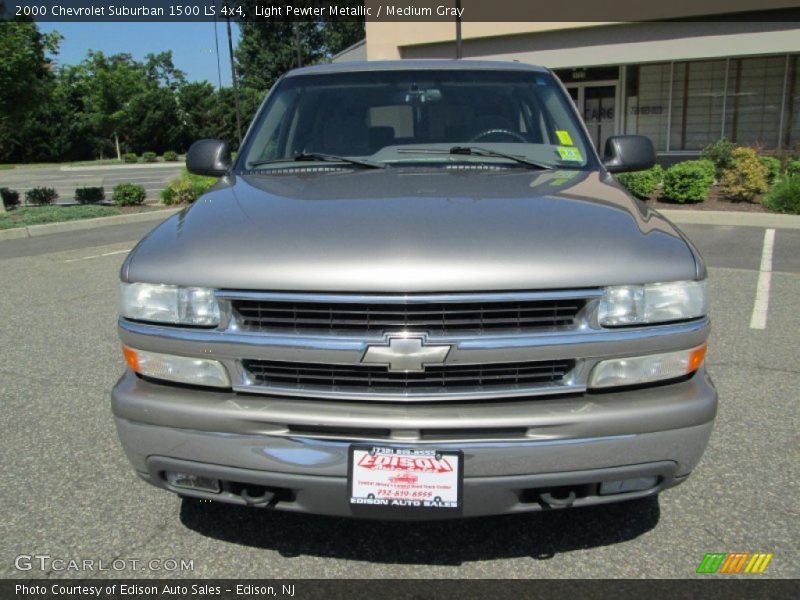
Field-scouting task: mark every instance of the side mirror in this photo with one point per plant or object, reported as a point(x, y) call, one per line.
point(209, 157)
point(628, 153)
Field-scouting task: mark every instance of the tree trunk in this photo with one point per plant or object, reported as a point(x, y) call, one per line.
point(116, 144)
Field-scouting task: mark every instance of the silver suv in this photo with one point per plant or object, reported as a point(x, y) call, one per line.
point(417, 292)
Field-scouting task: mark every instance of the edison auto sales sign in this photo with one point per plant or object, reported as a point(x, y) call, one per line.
point(411, 478)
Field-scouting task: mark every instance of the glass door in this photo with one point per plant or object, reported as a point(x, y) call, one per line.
point(599, 112)
point(597, 105)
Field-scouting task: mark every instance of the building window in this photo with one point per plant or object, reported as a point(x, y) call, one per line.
point(646, 102)
point(686, 105)
point(753, 101)
point(698, 97)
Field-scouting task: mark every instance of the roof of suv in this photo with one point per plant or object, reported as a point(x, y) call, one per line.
point(415, 65)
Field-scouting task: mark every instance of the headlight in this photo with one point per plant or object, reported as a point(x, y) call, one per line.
point(168, 304)
point(646, 369)
point(181, 369)
point(653, 303)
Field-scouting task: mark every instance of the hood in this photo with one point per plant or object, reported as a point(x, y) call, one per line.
point(402, 230)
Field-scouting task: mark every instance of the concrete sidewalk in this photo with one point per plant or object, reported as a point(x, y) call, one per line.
point(732, 218)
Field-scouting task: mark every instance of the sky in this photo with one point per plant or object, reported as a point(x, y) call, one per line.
point(192, 44)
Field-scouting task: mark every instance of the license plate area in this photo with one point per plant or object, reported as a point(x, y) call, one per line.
point(392, 481)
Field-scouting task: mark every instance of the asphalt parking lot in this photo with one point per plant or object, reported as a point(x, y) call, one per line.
point(64, 180)
point(69, 492)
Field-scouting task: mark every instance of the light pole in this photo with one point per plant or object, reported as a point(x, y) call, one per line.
point(298, 47)
point(216, 45)
point(459, 53)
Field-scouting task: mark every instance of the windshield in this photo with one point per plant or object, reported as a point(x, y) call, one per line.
point(425, 117)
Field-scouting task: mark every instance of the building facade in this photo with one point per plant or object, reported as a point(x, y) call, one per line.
point(683, 84)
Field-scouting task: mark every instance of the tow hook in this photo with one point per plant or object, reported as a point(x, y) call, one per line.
point(552, 502)
point(267, 499)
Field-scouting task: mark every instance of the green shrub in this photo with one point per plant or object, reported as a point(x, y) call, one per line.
point(746, 176)
point(689, 181)
point(186, 189)
point(10, 198)
point(169, 195)
point(90, 195)
point(773, 168)
point(41, 196)
point(127, 194)
point(130, 157)
point(149, 157)
point(793, 167)
point(707, 166)
point(170, 156)
point(784, 196)
point(719, 153)
point(642, 184)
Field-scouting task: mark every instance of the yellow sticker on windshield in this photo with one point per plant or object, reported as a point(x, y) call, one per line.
point(564, 137)
point(569, 153)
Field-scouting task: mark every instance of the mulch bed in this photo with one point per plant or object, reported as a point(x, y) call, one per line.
point(715, 201)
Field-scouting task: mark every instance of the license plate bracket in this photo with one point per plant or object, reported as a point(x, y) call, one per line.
point(389, 480)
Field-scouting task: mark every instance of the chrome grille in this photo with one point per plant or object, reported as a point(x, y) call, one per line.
point(369, 378)
point(406, 315)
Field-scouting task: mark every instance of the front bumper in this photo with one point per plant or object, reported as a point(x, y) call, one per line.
point(300, 448)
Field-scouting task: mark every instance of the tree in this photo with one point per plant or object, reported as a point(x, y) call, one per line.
point(150, 121)
point(131, 103)
point(109, 104)
point(160, 70)
point(267, 49)
point(197, 103)
point(223, 114)
point(26, 76)
point(338, 35)
point(110, 82)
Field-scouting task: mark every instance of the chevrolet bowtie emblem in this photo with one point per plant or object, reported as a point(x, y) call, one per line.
point(405, 354)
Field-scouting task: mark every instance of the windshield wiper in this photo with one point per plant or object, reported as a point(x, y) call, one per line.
point(320, 157)
point(477, 151)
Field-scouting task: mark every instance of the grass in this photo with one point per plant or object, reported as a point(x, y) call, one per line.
point(22, 217)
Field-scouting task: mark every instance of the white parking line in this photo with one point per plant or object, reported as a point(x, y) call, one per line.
point(759, 318)
point(98, 255)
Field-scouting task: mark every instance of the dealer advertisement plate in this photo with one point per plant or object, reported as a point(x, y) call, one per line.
point(394, 480)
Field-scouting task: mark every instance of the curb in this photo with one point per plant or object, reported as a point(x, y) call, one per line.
point(732, 219)
point(83, 224)
point(178, 164)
